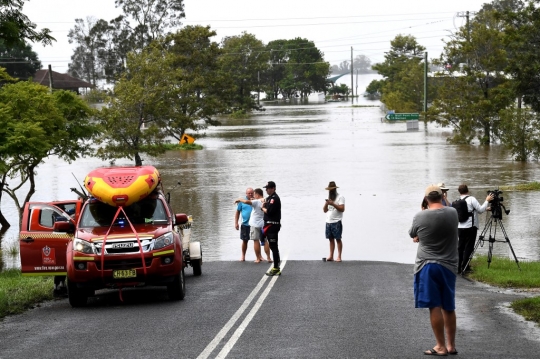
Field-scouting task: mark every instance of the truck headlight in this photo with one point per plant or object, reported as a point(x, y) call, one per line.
point(83, 246)
point(163, 241)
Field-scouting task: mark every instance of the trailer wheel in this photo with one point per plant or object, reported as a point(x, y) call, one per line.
point(77, 297)
point(197, 264)
point(177, 289)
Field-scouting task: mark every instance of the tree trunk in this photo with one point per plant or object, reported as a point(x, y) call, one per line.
point(138, 160)
point(4, 224)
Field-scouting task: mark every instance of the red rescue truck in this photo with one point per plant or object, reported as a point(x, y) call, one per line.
point(96, 245)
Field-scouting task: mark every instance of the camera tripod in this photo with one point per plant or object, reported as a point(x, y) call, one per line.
point(491, 239)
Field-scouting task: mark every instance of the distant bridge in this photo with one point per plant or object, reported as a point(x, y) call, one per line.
point(333, 79)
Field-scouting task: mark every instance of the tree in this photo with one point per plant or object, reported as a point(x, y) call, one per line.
point(16, 28)
point(520, 132)
point(102, 46)
point(244, 59)
point(401, 88)
point(483, 81)
point(200, 89)
point(362, 63)
point(34, 125)
point(153, 17)
point(85, 62)
point(134, 120)
point(521, 36)
point(19, 60)
point(297, 68)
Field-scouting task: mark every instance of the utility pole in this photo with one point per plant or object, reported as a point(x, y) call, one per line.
point(50, 79)
point(356, 82)
point(425, 83)
point(466, 15)
point(352, 80)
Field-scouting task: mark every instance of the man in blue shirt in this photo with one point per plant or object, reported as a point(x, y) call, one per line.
point(244, 210)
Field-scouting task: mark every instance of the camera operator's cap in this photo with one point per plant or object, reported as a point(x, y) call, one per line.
point(433, 188)
point(271, 184)
point(331, 185)
point(442, 186)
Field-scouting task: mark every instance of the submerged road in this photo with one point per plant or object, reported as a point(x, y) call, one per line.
point(351, 309)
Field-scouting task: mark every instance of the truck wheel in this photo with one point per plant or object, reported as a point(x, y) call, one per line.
point(77, 297)
point(197, 267)
point(177, 289)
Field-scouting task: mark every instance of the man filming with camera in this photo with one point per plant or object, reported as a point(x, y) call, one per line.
point(468, 229)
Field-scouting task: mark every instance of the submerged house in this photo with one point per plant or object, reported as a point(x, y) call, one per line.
point(61, 81)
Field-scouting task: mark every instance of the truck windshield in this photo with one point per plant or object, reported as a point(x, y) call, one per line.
point(147, 211)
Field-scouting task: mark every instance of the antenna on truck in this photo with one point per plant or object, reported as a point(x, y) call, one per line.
point(169, 193)
point(82, 192)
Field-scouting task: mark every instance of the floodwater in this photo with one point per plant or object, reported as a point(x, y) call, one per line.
point(380, 168)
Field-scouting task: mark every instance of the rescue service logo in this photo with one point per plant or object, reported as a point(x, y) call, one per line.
point(48, 256)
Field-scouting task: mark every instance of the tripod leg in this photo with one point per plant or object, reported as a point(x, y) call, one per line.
point(509, 244)
point(490, 249)
point(478, 242)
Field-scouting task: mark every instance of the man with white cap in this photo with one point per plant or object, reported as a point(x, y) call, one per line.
point(435, 231)
point(334, 207)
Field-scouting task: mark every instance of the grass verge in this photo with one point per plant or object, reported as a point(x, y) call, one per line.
point(503, 272)
point(18, 293)
point(531, 186)
point(185, 146)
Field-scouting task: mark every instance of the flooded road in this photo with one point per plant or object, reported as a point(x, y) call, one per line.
point(380, 168)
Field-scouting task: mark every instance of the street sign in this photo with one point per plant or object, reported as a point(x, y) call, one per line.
point(402, 116)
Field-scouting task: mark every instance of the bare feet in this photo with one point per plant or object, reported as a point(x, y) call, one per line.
point(257, 261)
point(330, 259)
point(242, 259)
point(337, 259)
point(269, 260)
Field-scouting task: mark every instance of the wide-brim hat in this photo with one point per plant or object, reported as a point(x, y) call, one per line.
point(331, 185)
point(442, 186)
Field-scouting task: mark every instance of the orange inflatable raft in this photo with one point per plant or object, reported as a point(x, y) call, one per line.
point(122, 186)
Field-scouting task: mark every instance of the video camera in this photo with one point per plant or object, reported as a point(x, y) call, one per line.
point(496, 204)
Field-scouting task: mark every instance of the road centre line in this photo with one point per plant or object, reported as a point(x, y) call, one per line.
point(238, 332)
point(215, 342)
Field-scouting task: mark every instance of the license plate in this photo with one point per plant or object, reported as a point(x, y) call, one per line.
point(124, 273)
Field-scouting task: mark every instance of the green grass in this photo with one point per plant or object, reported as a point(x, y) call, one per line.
point(531, 186)
point(185, 146)
point(503, 272)
point(18, 293)
point(529, 308)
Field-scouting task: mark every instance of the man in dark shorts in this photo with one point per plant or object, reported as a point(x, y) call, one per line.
point(435, 231)
point(272, 224)
point(243, 210)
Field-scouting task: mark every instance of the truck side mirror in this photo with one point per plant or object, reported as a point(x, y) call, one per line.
point(66, 227)
point(181, 218)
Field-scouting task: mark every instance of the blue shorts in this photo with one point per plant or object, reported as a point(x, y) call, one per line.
point(244, 232)
point(435, 286)
point(334, 230)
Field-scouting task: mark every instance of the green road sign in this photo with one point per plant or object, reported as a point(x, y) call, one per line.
point(402, 116)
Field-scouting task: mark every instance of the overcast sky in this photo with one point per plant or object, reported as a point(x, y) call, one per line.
point(334, 26)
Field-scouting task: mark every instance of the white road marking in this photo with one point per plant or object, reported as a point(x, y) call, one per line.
point(215, 342)
point(238, 332)
point(223, 332)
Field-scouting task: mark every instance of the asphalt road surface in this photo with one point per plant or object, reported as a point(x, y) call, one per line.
point(351, 309)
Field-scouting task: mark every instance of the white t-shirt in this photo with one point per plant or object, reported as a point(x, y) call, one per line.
point(333, 215)
point(256, 218)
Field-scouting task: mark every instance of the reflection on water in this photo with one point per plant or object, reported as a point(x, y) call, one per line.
point(380, 168)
